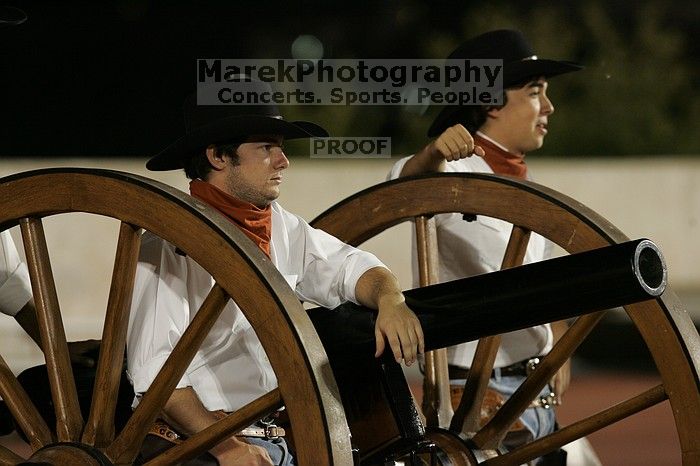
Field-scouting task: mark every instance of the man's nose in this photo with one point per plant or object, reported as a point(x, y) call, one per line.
point(281, 160)
point(546, 108)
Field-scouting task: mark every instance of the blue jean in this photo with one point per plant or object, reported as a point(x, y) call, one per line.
point(539, 421)
point(276, 448)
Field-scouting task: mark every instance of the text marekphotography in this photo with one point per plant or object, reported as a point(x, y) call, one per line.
point(349, 82)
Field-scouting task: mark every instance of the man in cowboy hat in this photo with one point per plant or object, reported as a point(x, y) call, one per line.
point(501, 136)
point(234, 157)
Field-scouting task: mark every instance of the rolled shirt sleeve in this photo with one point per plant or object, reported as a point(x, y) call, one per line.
point(326, 269)
point(396, 169)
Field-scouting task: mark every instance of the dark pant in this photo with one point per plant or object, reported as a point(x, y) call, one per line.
point(35, 382)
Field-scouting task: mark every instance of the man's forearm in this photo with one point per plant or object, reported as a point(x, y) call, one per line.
point(377, 284)
point(379, 289)
point(424, 161)
point(186, 413)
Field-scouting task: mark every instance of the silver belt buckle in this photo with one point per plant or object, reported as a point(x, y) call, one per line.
point(548, 401)
point(531, 365)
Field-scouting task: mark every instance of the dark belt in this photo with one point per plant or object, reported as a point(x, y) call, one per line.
point(520, 368)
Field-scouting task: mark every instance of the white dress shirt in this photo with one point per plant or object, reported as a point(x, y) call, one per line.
point(15, 288)
point(231, 368)
point(476, 247)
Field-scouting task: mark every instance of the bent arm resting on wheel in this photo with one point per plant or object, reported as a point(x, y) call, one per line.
point(379, 289)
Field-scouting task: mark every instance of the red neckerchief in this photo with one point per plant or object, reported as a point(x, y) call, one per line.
point(501, 161)
point(255, 222)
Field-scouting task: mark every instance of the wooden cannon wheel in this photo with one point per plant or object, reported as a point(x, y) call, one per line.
point(241, 272)
point(664, 325)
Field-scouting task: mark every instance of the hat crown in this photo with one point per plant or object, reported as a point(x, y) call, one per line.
point(198, 116)
point(505, 44)
point(214, 124)
point(520, 64)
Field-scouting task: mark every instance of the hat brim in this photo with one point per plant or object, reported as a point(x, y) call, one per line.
point(230, 129)
point(515, 73)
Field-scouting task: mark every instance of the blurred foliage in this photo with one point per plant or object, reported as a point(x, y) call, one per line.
point(108, 78)
point(635, 97)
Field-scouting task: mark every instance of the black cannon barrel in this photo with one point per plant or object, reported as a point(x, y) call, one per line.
point(489, 304)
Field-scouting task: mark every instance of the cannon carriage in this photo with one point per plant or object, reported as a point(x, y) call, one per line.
point(307, 386)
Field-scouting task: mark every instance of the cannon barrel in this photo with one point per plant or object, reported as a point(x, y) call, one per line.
point(498, 302)
point(376, 398)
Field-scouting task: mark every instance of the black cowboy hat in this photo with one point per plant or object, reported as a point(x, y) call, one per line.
point(519, 63)
point(211, 124)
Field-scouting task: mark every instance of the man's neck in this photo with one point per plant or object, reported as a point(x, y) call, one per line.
point(493, 141)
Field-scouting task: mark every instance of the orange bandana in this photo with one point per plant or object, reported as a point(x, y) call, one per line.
point(501, 161)
point(255, 222)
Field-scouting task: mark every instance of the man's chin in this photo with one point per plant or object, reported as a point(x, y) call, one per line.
point(272, 196)
point(538, 143)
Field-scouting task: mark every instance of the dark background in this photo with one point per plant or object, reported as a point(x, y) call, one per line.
point(98, 79)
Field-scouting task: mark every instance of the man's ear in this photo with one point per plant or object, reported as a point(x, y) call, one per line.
point(216, 160)
point(495, 111)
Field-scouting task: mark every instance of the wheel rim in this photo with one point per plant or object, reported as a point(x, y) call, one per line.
point(665, 327)
point(295, 353)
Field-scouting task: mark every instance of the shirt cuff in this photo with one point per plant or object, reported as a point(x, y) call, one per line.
point(16, 291)
point(396, 169)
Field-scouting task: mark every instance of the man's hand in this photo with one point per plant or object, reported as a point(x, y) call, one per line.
point(400, 326)
point(453, 144)
point(379, 289)
point(235, 452)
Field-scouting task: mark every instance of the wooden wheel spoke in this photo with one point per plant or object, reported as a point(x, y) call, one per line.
point(467, 416)
point(240, 270)
point(437, 406)
point(126, 445)
point(22, 408)
point(581, 428)
point(221, 430)
point(663, 323)
point(495, 430)
point(69, 421)
point(100, 425)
